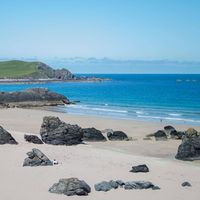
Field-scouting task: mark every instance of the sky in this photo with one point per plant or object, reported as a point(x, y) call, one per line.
point(117, 29)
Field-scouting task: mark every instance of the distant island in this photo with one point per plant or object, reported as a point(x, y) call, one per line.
point(17, 71)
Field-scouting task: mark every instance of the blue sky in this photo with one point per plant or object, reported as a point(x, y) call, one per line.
point(119, 29)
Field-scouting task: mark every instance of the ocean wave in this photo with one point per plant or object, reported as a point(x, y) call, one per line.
point(109, 110)
point(140, 112)
point(174, 114)
point(169, 118)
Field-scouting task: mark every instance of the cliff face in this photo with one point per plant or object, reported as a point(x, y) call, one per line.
point(44, 71)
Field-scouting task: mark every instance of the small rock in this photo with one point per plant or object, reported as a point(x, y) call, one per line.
point(33, 139)
point(186, 184)
point(70, 187)
point(168, 129)
point(147, 138)
point(155, 188)
point(191, 132)
point(36, 158)
point(103, 186)
point(160, 135)
point(140, 168)
point(117, 135)
point(6, 137)
point(138, 185)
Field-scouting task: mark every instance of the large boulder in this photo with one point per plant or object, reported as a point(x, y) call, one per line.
point(33, 139)
point(36, 158)
point(6, 137)
point(117, 135)
point(189, 149)
point(32, 97)
point(70, 187)
point(160, 135)
point(54, 131)
point(92, 134)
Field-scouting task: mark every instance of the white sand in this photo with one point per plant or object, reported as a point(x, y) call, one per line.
point(93, 162)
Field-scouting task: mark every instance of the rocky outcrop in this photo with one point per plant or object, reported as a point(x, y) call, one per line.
point(189, 149)
point(160, 135)
point(130, 185)
point(139, 168)
point(32, 97)
point(33, 139)
point(54, 131)
point(6, 137)
point(36, 158)
point(92, 134)
point(117, 135)
point(70, 187)
point(168, 129)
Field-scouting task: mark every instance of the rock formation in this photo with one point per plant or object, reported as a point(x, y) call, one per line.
point(92, 134)
point(36, 158)
point(32, 97)
point(160, 135)
point(54, 131)
point(70, 187)
point(130, 185)
point(6, 137)
point(189, 149)
point(33, 139)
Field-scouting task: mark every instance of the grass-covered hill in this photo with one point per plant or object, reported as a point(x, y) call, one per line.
point(35, 70)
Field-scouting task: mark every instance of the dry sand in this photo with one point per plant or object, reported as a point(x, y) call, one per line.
point(93, 162)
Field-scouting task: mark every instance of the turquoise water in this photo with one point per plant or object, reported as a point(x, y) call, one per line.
point(171, 98)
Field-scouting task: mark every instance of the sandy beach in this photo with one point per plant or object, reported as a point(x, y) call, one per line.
point(94, 162)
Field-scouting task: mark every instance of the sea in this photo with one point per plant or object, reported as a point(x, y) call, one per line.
point(170, 98)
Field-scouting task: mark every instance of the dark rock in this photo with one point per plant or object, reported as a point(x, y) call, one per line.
point(92, 134)
point(32, 97)
point(33, 139)
point(117, 135)
point(177, 134)
point(36, 158)
point(155, 188)
point(138, 185)
point(54, 131)
point(160, 135)
point(113, 184)
point(168, 129)
point(70, 187)
point(139, 168)
point(186, 184)
point(103, 186)
point(6, 137)
point(189, 149)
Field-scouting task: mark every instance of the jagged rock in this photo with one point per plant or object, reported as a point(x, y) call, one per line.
point(138, 185)
point(189, 149)
point(33, 139)
point(186, 184)
point(106, 186)
point(54, 131)
point(139, 168)
point(117, 135)
point(70, 187)
point(6, 137)
point(36, 158)
point(32, 97)
point(92, 134)
point(160, 135)
point(168, 129)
